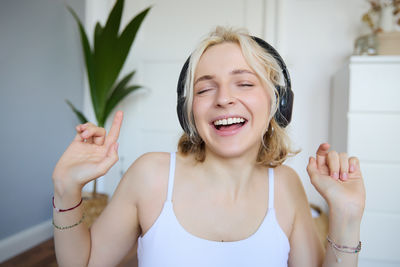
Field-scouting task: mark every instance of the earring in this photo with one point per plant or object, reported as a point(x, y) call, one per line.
point(270, 130)
point(267, 135)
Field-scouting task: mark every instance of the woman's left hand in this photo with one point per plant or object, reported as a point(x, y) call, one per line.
point(339, 180)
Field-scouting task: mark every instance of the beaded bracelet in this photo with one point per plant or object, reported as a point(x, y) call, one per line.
point(342, 248)
point(64, 210)
point(69, 226)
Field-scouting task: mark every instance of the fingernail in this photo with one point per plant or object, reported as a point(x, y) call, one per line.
point(351, 168)
point(344, 176)
point(335, 175)
point(85, 133)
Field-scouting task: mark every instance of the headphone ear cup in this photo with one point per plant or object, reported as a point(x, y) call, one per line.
point(283, 115)
point(183, 120)
point(182, 115)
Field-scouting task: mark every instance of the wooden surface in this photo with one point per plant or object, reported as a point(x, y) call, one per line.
point(41, 255)
point(44, 255)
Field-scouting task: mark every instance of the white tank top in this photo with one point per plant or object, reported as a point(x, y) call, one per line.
point(168, 244)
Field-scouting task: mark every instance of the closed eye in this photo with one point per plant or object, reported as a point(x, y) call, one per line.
point(246, 85)
point(202, 91)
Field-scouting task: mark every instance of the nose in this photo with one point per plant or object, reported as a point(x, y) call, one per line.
point(224, 96)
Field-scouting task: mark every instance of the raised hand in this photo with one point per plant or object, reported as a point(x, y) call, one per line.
point(90, 155)
point(339, 180)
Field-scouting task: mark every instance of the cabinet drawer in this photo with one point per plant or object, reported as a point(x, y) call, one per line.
point(382, 183)
point(362, 262)
point(374, 137)
point(380, 234)
point(374, 87)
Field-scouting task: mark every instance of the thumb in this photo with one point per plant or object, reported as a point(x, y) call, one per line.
point(113, 150)
point(110, 159)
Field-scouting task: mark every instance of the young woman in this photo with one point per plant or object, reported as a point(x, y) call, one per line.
point(224, 199)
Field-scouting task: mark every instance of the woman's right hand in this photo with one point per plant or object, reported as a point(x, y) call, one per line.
point(90, 155)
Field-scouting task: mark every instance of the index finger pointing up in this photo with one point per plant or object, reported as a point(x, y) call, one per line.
point(113, 135)
point(322, 152)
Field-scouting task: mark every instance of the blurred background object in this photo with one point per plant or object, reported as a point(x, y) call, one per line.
point(381, 29)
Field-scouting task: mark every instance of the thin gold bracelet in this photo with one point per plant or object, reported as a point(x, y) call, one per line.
point(69, 226)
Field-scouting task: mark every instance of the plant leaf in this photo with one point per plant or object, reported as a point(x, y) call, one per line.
point(122, 84)
point(89, 61)
point(108, 58)
point(118, 94)
point(114, 20)
point(98, 30)
point(105, 62)
point(128, 35)
point(118, 88)
point(79, 114)
point(106, 65)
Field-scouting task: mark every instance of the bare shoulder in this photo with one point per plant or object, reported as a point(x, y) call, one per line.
point(305, 247)
point(291, 200)
point(146, 163)
point(288, 182)
point(148, 174)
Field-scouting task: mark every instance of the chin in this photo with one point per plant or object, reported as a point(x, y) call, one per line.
point(232, 151)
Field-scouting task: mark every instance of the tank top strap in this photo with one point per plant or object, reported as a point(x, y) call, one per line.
point(171, 176)
point(271, 188)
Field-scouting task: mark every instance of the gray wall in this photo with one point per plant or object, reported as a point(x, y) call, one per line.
point(40, 66)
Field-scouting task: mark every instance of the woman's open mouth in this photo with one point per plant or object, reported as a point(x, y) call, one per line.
point(229, 125)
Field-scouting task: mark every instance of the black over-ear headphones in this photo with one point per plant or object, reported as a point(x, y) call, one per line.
point(283, 115)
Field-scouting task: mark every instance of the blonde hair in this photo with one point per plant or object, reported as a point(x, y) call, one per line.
point(275, 146)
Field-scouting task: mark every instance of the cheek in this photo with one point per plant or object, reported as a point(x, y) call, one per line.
point(196, 109)
point(199, 109)
point(201, 105)
point(261, 104)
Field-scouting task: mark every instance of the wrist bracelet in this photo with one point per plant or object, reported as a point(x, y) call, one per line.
point(64, 210)
point(69, 226)
point(341, 248)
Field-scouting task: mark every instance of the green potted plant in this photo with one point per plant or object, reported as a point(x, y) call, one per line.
point(103, 63)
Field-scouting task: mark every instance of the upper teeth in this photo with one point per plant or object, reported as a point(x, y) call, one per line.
point(228, 121)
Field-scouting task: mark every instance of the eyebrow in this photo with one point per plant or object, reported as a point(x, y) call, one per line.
point(240, 71)
point(204, 78)
point(233, 72)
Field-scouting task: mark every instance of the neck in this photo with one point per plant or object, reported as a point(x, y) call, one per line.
point(231, 175)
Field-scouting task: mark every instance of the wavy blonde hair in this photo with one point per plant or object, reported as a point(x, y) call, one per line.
point(275, 146)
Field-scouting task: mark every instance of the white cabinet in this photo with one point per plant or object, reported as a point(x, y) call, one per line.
point(365, 115)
